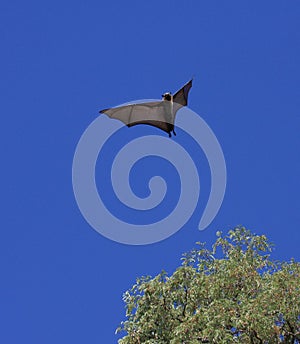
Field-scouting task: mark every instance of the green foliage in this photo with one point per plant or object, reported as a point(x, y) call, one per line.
point(232, 293)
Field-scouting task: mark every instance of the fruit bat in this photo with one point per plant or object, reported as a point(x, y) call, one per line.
point(160, 114)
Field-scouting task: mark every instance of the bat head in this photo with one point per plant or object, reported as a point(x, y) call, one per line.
point(167, 96)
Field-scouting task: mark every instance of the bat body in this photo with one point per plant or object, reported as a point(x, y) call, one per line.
point(160, 114)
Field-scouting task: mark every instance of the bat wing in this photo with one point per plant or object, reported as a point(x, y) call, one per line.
point(180, 98)
point(151, 113)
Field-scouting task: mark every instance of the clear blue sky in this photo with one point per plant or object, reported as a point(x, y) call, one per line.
point(61, 281)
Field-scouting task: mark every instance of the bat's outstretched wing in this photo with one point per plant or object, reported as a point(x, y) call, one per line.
point(160, 114)
point(151, 113)
point(181, 96)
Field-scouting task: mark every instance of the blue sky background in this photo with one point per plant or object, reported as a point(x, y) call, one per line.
point(61, 281)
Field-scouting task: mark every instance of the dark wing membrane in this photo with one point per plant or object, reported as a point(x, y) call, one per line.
point(167, 127)
point(181, 96)
point(152, 113)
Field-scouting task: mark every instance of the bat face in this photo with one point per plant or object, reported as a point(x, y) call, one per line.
point(159, 114)
point(167, 96)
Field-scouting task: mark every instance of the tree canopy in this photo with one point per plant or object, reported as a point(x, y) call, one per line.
point(231, 293)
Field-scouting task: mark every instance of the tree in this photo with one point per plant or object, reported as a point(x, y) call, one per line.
point(231, 293)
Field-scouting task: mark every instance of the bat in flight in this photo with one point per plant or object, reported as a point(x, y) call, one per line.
point(160, 114)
